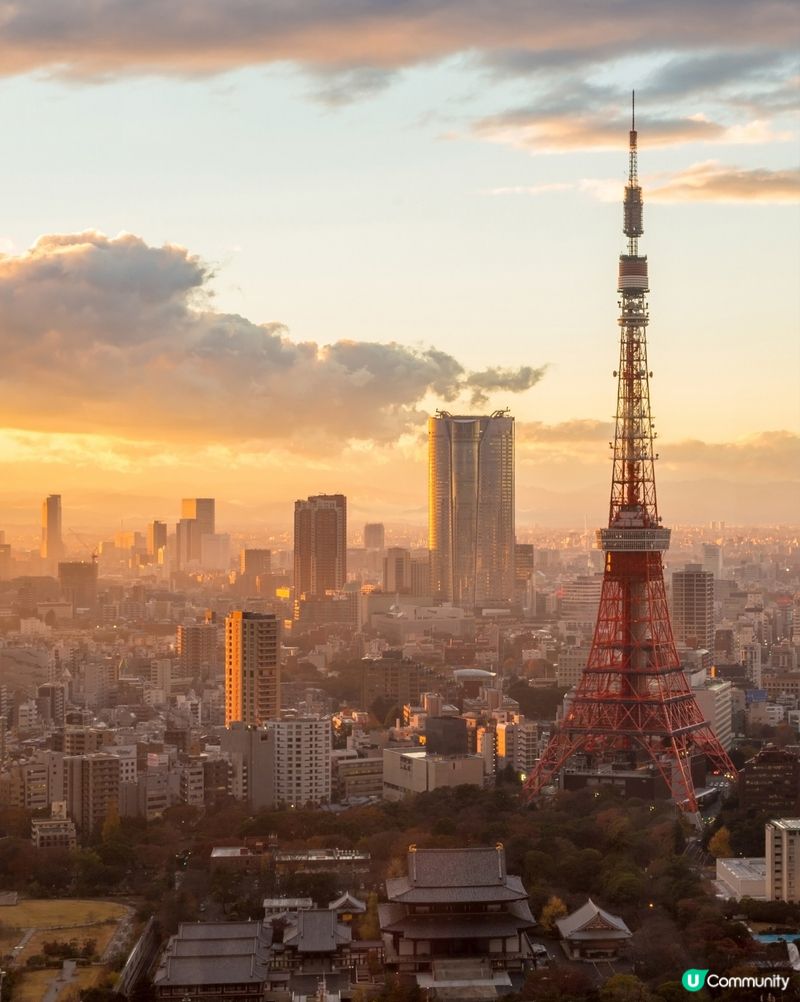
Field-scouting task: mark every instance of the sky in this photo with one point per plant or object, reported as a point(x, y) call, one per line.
point(247, 247)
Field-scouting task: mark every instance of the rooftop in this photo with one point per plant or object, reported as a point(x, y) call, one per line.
point(787, 824)
point(443, 875)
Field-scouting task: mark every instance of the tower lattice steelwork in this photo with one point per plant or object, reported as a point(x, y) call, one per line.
point(633, 704)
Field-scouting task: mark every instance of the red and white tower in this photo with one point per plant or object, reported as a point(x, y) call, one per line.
point(633, 705)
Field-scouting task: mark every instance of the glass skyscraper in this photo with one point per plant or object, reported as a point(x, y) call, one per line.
point(471, 507)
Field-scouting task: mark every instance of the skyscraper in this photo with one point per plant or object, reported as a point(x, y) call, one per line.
point(374, 536)
point(78, 581)
point(156, 537)
point(200, 511)
point(203, 511)
point(52, 546)
point(693, 607)
point(320, 544)
point(252, 668)
point(471, 507)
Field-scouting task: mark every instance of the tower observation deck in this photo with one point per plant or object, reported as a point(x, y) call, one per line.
point(633, 708)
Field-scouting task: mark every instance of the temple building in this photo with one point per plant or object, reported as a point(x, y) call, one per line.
point(593, 934)
point(456, 905)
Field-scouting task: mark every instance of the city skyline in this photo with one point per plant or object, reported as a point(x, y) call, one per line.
point(403, 226)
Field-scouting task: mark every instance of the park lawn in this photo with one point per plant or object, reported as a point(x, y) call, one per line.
point(58, 912)
point(8, 940)
point(33, 984)
point(85, 977)
point(100, 933)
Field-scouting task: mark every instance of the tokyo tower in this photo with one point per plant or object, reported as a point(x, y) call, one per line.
point(633, 707)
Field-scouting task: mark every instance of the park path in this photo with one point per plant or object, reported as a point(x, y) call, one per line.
point(61, 980)
point(121, 935)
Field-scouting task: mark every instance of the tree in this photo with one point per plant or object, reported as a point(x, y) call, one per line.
point(368, 926)
point(625, 988)
point(557, 984)
point(720, 844)
point(553, 910)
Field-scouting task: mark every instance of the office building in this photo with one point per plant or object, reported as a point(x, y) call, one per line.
point(202, 510)
point(52, 545)
point(782, 851)
point(392, 678)
point(769, 783)
point(187, 543)
point(523, 571)
point(156, 537)
point(198, 519)
point(715, 699)
point(693, 607)
point(374, 536)
point(320, 544)
point(78, 581)
point(471, 507)
point(397, 571)
point(215, 551)
point(580, 600)
point(419, 771)
point(255, 562)
point(5, 561)
point(252, 667)
point(712, 559)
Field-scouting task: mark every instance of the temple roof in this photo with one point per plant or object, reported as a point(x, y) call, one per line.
point(591, 922)
point(317, 931)
point(446, 875)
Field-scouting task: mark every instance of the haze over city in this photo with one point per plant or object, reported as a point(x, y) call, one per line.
point(246, 253)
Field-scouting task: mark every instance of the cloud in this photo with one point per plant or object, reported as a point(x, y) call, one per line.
point(509, 380)
point(536, 131)
point(715, 182)
point(710, 181)
point(766, 454)
point(117, 337)
point(189, 37)
point(577, 431)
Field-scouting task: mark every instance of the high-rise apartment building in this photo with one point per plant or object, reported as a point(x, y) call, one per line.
point(196, 647)
point(52, 545)
point(693, 607)
point(302, 750)
point(782, 850)
point(374, 536)
point(471, 507)
point(252, 667)
point(320, 544)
